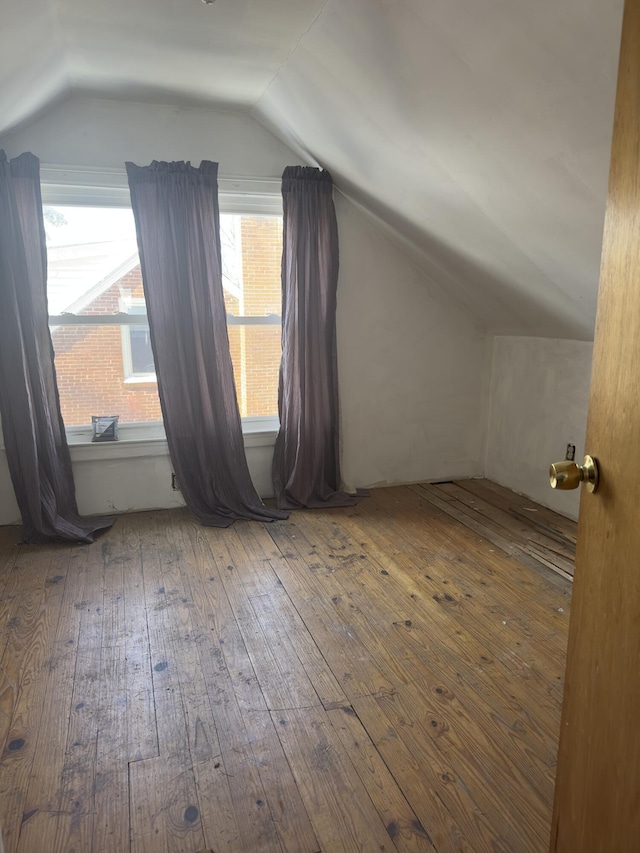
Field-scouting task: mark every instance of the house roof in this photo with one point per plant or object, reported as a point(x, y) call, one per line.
point(78, 273)
point(477, 131)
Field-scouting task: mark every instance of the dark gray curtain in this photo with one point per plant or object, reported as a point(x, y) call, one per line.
point(306, 464)
point(175, 207)
point(34, 437)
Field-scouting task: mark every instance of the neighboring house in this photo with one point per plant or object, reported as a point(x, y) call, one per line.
point(108, 369)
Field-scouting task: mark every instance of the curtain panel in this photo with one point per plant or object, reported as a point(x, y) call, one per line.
point(306, 463)
point(175, 206)
point(34, 436)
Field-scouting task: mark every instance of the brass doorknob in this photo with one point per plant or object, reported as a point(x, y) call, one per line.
point(569, 475)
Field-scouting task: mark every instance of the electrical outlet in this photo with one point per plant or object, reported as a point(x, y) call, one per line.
point(571, 452)
point(174, 483)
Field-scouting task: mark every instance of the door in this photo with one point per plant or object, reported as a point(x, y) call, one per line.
point(597, 799)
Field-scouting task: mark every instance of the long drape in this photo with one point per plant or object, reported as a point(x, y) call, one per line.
point(175, 206)
point(306, 464)
point(34, 436)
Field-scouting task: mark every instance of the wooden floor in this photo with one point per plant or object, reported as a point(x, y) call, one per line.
point(372, 678)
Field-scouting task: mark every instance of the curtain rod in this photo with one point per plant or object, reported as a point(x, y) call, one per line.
point(55, 173)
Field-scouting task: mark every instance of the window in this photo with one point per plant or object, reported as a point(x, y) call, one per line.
point(137, 357)
point(140, 355)
point(98, 315)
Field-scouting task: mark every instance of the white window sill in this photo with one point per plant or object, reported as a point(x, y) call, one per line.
point(94, 451)
point(141, 378)
point(147, 439)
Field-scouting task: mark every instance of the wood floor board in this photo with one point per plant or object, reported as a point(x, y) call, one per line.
point(254, 779)
point(478, 632)
point(406, 634)
point(111, 829)
point(280, 673)
point(364, 625)
point(462, 670)
point(407, 510)
point(55, 831)
point(479, 524)
point(252, 567)
point(163, 792)
point(484, 769)
point(164, 816)
point(401, 822)
point(36, 591)
point(277, 609)
point(444, 601)
point(282, 678)
point(142, 733)
point(357, 672)
point(283, 629)
point(520, 529)
point(376, 677)
point(524, 508)
point(343, 815)
point(419, 782)
point(544, 550)
point(28, 582)
point(369, 624)
point(474, 564)
point(44, 791)
point(459, 798)
point(86, 719)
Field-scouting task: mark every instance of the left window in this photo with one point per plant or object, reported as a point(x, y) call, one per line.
point(97, 316)
point(99, 326)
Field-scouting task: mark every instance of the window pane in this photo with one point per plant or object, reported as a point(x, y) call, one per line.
point(255, 352)
point(88, 250)
point(94, 269)
point(251, 264)
point(91, 377)
point(141, 355)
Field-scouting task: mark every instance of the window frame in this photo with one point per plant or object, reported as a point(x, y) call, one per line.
point(91, 187)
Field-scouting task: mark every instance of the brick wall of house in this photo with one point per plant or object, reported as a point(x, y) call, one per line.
point(261, 263)
point(90, 368)
point(89, 360)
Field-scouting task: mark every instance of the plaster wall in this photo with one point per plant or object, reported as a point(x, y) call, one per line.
point(539, 401)
point(99, 132)
point(414, 371)
point(128, 478)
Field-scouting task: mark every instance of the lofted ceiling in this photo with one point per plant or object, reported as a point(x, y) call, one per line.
point(476, 131)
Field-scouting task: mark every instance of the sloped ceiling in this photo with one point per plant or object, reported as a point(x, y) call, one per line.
point(476, 131)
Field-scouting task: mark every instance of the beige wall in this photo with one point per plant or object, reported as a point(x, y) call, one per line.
point(414, 372)
point(539, 401)
point(105, 133)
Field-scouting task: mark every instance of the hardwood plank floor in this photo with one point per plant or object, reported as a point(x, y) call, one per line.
point(380, 677)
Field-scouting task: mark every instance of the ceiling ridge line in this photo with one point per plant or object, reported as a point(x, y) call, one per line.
point(290, 54)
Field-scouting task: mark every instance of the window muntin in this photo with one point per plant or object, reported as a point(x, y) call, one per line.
point(98, 316)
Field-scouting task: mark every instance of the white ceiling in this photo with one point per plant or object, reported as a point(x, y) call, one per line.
point(478, 131)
